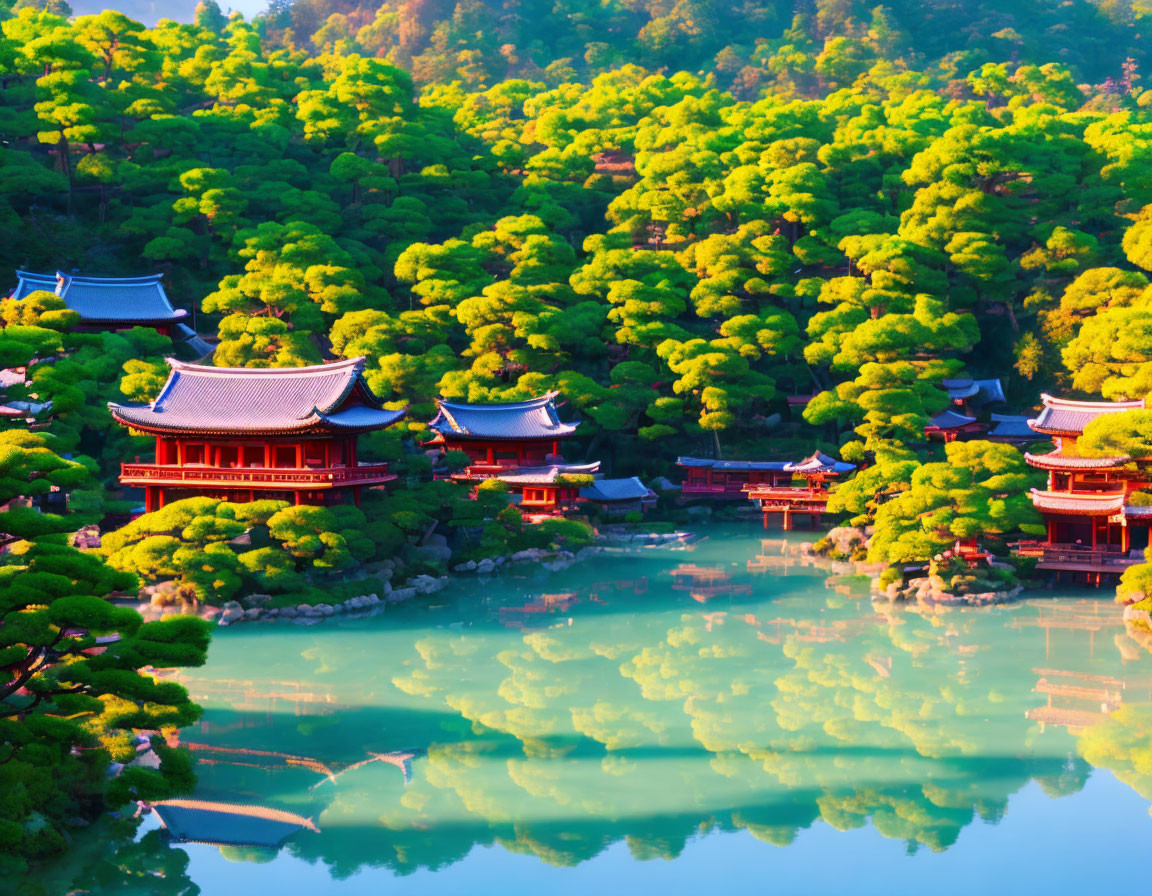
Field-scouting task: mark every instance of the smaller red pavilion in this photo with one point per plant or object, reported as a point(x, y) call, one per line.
point(518, 443)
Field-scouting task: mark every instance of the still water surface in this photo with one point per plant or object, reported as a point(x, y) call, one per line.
point(697, 721)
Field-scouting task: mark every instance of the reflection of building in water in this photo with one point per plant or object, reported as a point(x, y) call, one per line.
point(243, 695)
point(545, 604)
point(636, 586)
point(705, 583)
point(274, 760)
point(1084, 616)
point(225, 824)
point(1076, 700)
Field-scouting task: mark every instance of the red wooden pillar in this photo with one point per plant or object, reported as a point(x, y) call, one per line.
point(1095, 526)
point(267, 455)
point(356, 495)
point(1125, 539)
point(149, 499)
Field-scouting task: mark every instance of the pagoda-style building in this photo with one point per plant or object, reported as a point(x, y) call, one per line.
point(789, 499)
point(246, 433)
point(116, 303)
point(518, 443)
point(727, 479)
point(546, 491)
point(619, 496)
point(504, 436)
point(967, 397)
point(1092, 526)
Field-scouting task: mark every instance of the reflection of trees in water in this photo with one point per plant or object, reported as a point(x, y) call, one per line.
point(652, 726)
point(105, 860)
point(1123, 744)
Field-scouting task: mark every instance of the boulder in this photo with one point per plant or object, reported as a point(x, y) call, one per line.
point(232, 612)
point(288, 612)
point(467, 566)
point(324, 609)
point(432, 553)
point(399, 595)
point(532, 555)
point(253, 613)
point(486, 566)
point(426, 584)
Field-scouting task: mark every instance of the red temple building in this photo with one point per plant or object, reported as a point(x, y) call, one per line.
point(724, 479)
point(791, 498)
point(246, 433)
point(116, 303)
point(517, 443)
point(1092, 525)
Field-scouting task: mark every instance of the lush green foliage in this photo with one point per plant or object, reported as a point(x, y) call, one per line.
point(73, 697)
point(980, 491)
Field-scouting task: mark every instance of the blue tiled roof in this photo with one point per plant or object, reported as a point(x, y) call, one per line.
point(733, 466)
point(532, 419)
point(951, 420)
point(292, 399)
point(820, 463)
point(105, 299)
point(631, 489)
point(1012, 427)
point(547, 475)
point(989, 391)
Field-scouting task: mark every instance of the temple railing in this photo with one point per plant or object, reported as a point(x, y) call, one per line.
point(255, 477)
point(1074, 555)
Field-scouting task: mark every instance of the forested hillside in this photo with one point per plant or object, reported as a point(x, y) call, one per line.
point(679, 216)
point(801, 46)
point(676, 260)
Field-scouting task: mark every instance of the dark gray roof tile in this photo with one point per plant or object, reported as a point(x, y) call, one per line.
point(325, 397)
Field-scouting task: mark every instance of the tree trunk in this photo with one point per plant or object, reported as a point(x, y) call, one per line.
point(716, 443)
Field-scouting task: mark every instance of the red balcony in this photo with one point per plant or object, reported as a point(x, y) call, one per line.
point(254, 477)
point(1073, 558)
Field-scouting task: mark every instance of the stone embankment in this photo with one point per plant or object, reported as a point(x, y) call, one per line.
point(255, 607)
point(932, 590)
point(847, 541)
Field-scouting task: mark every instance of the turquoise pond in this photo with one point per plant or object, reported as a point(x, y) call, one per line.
point(704, 720)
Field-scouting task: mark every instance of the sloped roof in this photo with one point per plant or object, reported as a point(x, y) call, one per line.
point(950, 420)
point(105, 299)
point(820, 463)
point(546, 475)
point(1061, 416)
point(1012, 427)
point(608, 490)
point(1086, 505)
point(732, 466)
point(229, 825)
point(185, 337)
point(990, 391)
point(325, 397)
point(1057, 461)
point(533, 419)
